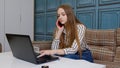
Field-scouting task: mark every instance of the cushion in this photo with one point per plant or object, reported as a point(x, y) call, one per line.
point(117, 56)
point(118, 36)
point(108, 64)
point(101, 37)
point(104, 53)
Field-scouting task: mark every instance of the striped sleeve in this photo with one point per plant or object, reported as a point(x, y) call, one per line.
point(74, 48)
point(55, 44)
point(81, 32)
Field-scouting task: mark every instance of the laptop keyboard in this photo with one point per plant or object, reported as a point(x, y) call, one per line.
point(45, 58)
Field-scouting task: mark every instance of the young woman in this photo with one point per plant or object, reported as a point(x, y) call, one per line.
point(69, 38)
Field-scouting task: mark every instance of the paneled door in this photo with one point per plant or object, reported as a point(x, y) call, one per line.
point(16, 17)
point(1, 23)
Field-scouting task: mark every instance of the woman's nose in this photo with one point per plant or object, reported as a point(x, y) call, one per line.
point(60, 17)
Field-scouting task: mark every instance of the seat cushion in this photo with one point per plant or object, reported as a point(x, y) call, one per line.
point(103, 53)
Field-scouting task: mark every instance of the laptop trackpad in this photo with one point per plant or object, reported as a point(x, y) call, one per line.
point(47, 58)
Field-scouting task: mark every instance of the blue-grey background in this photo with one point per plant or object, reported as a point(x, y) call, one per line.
point(95, 14)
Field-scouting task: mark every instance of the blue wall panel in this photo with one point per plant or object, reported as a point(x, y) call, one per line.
point(50, 23)
point(83, 3)
point(108, 1)
point(40, 37)
point(40, 24)
point(49, 38)
point(70, 2)
point(95, 14)
point(52, 5)
point(87, 17)
point(39, 5)
point(109, 19)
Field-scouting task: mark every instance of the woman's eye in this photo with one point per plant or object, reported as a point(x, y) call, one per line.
point(63, 14)
point(58, 16)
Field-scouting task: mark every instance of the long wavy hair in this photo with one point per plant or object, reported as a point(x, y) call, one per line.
point(70, 27)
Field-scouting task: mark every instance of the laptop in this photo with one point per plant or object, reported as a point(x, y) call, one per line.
point(22, 48)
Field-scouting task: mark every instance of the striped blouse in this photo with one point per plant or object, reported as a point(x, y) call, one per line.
point(74, 48)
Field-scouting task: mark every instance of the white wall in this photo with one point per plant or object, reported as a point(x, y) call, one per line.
point(2, 23)
point(18, 18)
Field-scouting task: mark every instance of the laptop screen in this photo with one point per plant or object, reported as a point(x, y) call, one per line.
point(21, 47)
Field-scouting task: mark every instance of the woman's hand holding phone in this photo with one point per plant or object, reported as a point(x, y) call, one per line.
point(59, 24)
point(60, 27)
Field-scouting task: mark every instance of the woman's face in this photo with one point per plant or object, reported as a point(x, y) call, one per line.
point(62, 17)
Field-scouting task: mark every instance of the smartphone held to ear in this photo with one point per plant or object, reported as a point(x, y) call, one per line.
point(60, 24)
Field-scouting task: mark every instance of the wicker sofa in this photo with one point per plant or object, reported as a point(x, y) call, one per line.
point(104, 45)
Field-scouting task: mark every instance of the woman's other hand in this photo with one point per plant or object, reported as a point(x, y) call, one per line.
point(46, 52)
point(51, 52)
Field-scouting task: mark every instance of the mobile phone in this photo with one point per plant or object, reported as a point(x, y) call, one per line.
point(60, 24)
